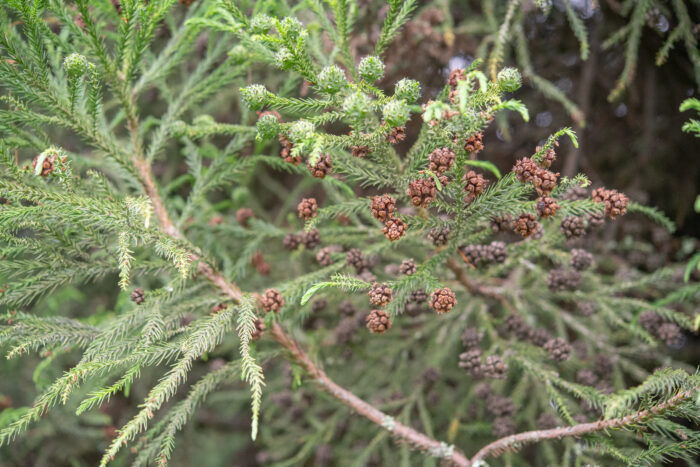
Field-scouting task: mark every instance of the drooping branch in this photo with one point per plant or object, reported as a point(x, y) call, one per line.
point(414, 438)
point(513, 442)
point(405, 433)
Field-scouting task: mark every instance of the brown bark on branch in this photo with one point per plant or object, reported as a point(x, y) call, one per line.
point(414, 438)
point(513, 442)
point(405, 433)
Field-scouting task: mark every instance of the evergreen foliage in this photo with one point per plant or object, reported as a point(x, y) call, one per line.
point(83, 158)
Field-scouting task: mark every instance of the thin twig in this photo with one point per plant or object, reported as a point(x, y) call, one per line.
point(414, 438)
point(513, 442)
point(474, 287)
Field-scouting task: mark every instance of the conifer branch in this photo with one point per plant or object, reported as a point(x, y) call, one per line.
point(515, 442)
point(405, 433)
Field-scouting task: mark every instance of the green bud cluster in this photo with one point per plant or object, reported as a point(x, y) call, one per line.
point(254, 96)
point(371, 69)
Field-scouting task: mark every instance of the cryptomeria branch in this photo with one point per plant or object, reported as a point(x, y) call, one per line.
point(413, 437)
point(513, 442)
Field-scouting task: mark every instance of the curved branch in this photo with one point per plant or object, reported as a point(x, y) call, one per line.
point(414, 438)
point(515, 441)
point(408, 434)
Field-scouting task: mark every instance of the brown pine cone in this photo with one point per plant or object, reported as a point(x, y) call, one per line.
point(494, 367)
point(408, 267)
point(421, 191)
point(291, 241)
point(360, 151)
point(394, 229)
point(311, 238)
point(442, 300)
point(496, 252)
point(286, 152)
point(503, 426)
point(499, 406)
point(474, 184)
point(262, 266)
point(603, 364)
point(586, 377)
point(546, 206)
point(380, 294)
point(219, 307)
point(345, 330)
point(138, 296)
point(396, 134)
point(439, 236)
point(346, 308)
point(516, 326)
point(581, 259)
point(539, 337)
point(559, 280)
point(586, 308)
point(471, 361)
point(501, 223)
point(319, 305)
point(672, 335)
point(615, 203)
point(455, 77)
point(272, 300)
point(559, 350)
point(474, 143)
point(307, 208)
point(418, 296)
point(544, 181)
point(355, 258)
point(441, 160)
point(322, 167)
point(383, 207)
point(525, 169)
point(471, 338)
point(47, 165)
point(651, 322)
point(526, 224)
point(475, 254)
point(259, 329)
point(573, 227)
point(548, 157)
point(243, 215)
point(378, 321)
point(575, 193)
point(596, 220)
point(324, 256)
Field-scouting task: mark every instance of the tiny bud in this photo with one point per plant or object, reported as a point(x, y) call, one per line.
point(371, 69)
point(268, 126)
point(261, 24)
point(407, 89)
point(76, 65)
point(396, 113)
point(331, 79)
point(284, 58)
point(509, 80)
point(301, 131)
point(356, 106)
point(254, 96)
